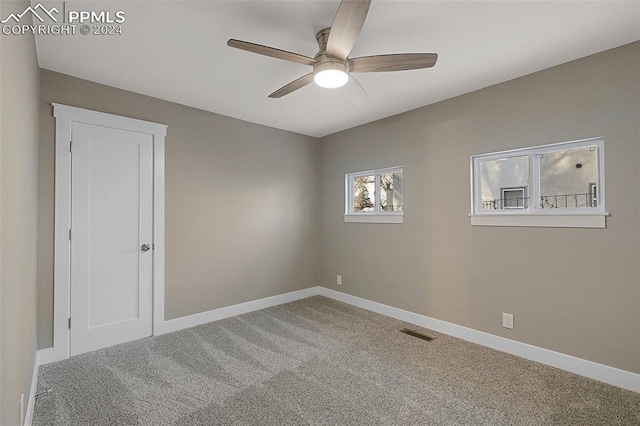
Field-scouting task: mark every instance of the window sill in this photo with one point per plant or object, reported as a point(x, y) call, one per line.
point(594, 220)
point(374, 218)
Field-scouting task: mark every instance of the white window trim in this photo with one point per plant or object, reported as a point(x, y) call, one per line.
point(375, 216)
point(585, 217)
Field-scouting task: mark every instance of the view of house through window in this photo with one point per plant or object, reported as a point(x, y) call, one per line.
point(593, 194)
point(559, 176)
point(391, 191)
point(377, 191)
point(514, 198)
point(503, 182)
point(364, 195)
point(567, 178)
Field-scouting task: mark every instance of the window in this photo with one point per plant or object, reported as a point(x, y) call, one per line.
point(513, 198)
point(374, 196)
point(550, 185)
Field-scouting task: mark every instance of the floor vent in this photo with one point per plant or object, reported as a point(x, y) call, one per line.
point(416, 334)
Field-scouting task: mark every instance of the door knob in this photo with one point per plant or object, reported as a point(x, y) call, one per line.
point(145, 247)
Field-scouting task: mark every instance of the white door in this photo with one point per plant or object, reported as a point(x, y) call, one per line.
point(111, 236)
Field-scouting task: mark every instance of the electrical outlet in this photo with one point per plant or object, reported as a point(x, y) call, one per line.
point(339, 280)
point(22, 409)
point(507, 320)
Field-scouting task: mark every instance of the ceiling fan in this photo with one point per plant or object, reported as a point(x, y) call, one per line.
point(332, 65)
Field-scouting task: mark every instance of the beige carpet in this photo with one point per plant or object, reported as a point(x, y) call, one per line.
point(318, 362)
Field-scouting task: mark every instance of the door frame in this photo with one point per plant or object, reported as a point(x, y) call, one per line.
point(65, 116)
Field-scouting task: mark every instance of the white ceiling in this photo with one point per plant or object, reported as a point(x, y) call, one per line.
point(177, 51)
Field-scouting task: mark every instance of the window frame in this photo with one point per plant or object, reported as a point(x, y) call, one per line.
point(534, 215)
point(378, 215)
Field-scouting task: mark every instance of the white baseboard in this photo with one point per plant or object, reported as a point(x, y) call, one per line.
point(231, 311)
point(28, 415)
point(45, 356)
point(593, 370)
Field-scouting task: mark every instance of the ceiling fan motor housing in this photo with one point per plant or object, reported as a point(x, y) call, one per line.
point(322, 37)
point(327, 63)
point(328, 71)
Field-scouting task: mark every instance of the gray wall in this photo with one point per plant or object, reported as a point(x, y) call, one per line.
point(241, 202)
point(576, 291)
point(19, 83)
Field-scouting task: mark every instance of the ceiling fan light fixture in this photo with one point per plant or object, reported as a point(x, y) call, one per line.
point(331, 75)
point(331, 79)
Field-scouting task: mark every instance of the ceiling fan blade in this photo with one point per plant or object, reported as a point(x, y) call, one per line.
point(271, 51)
point(346, 27)
point(293, 86)
point(355, 92)
point(394, 62)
